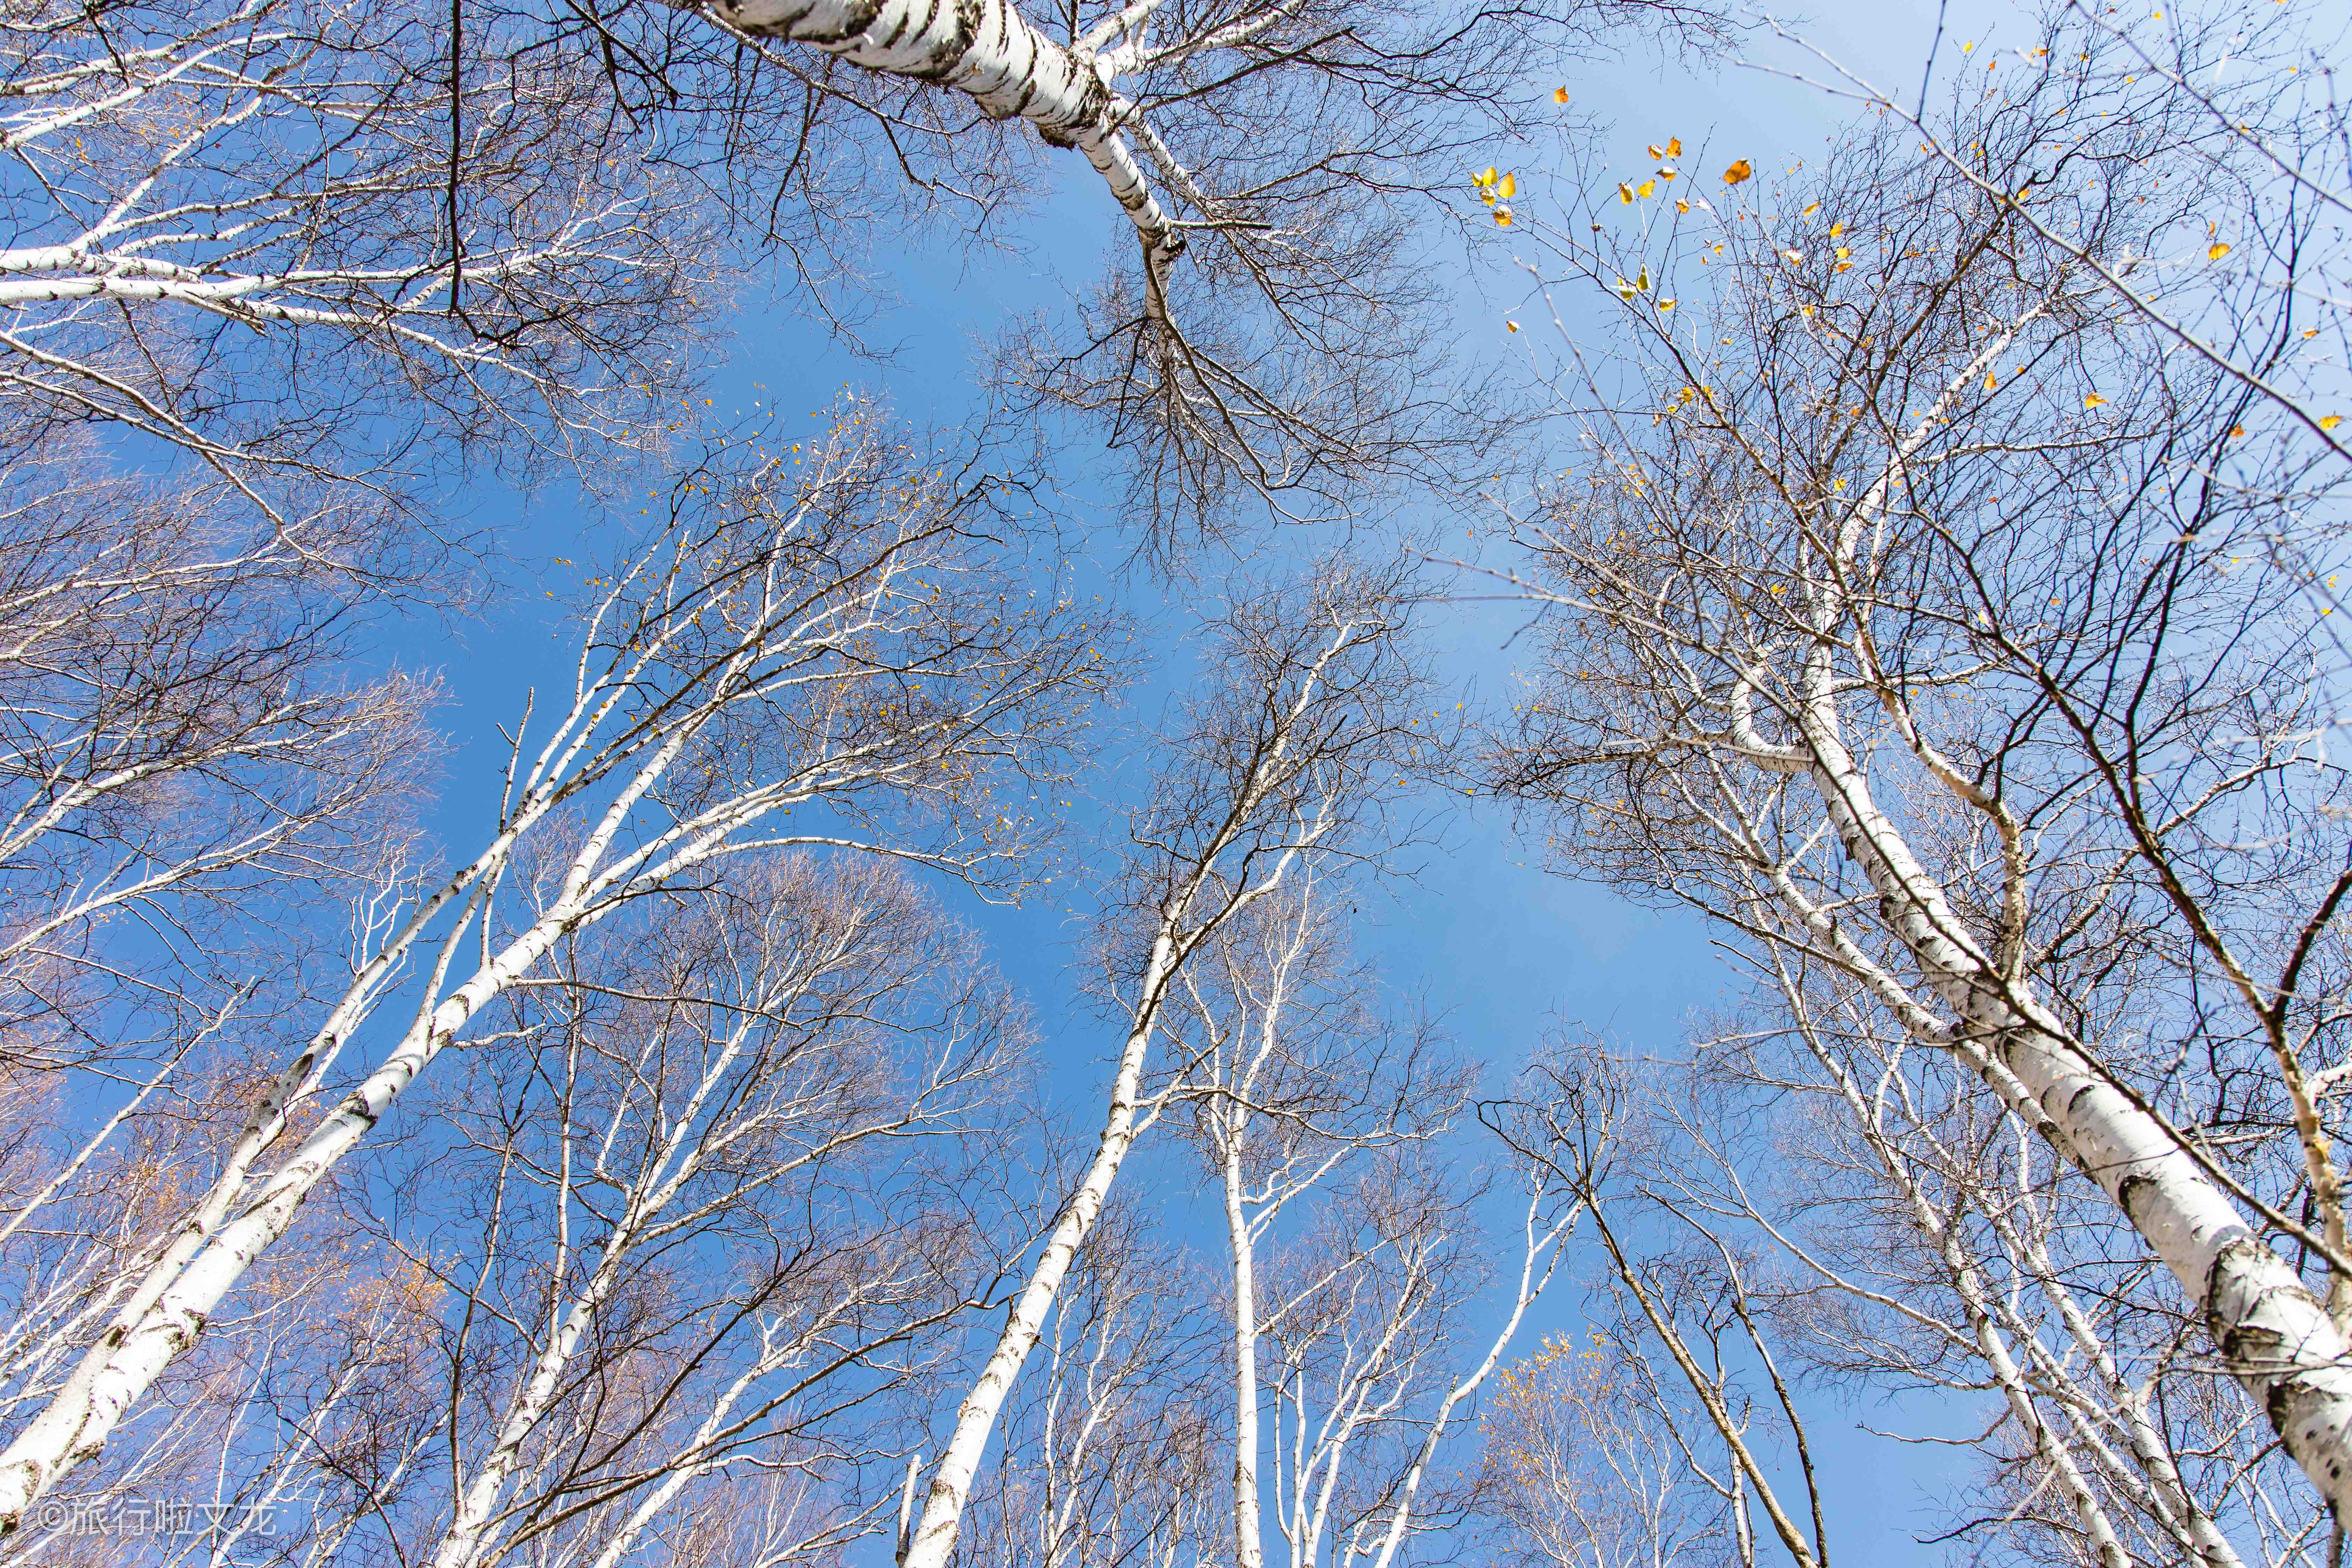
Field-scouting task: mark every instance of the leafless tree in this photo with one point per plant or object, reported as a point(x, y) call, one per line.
point(1916, 614)
point(818, 635)
point(1285, 755)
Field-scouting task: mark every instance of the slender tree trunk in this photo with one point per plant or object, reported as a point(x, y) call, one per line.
point(951, 1487)
point(2271, 1333)
point(1249, 1550)
point(988, 51)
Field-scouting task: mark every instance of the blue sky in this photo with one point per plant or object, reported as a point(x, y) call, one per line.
point(1501, 949)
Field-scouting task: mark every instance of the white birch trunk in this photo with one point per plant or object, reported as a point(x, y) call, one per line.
point(951, 1487)
point(2270, 1332)
point(987, 51)
point(1249, 1547)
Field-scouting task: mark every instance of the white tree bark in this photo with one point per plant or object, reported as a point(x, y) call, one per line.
point(2271, 1333)
point(989, 51)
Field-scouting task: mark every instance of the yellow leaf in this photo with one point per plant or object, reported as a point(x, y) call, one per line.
point(1487, 178)
point(1681, 205)
point(2092, 400)
point(1843, 266)
point(2236, 431)
point(1624, 193)
point(1503, 216)
point(1993, 381)
point(1674, 147)
point(1736, 172)
point(1487, 196)
point(1560, 95)
point(1666, 304)
point(2215, 251)
point(1668, 171)
point(1649, 187)
point(1836, 229)
point(1654, 151)
point(1642, 282)
point(2330, 421)
point(1804, 309)
point(2311, 331)
point(1811, 208)
point(1513, 325)
point(1967, 46)
point(1843, 251)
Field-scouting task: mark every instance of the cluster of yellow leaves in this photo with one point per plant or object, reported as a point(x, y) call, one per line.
point(1497, 190)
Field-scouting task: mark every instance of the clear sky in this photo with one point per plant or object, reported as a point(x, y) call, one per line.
point(1499, 948)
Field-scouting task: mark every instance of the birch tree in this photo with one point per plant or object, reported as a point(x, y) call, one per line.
point(1915, 612)
point(1284, 756)
point(829, 642)
point(692, 1233)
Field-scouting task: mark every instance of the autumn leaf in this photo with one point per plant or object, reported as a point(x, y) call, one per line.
point(1487, 178)
point(1624, 193)
point(1513, 325)
point(1681, 205)
point(1836, 229)
point(1674, 147)
point(1736, 172)
point(1666, 304)
point(1993, 381)
point(1509, 185)
point(1649, 187)
point(2092, 400)
point(2330, 421)
point(1811, 208)
point(1503, 217)
point(2215, 251)
point(1560, 95)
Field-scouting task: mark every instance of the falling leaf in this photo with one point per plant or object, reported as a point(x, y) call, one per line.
point(1736, 172)
point(1560, 95)
point(2092, 400)
point(1624, 193)
point(1649, 187)
point(2215, 251)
